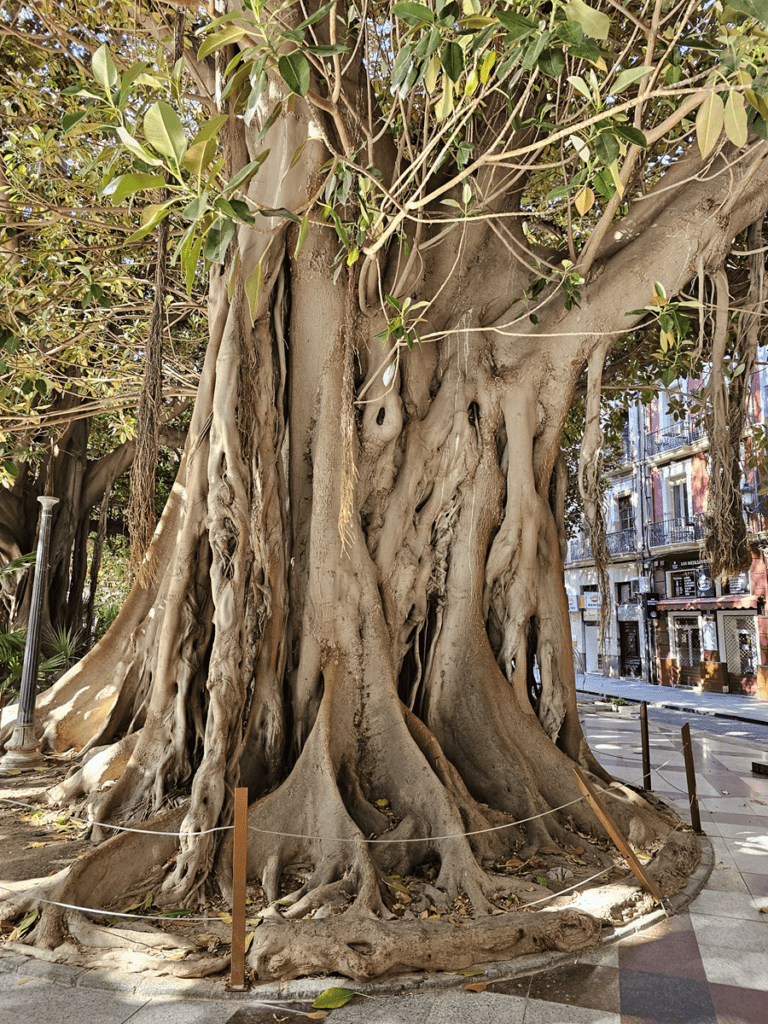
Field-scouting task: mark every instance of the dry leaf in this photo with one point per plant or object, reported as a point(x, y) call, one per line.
point(764, 910)
point(34, 846)
point(476, 986)
point(513, 862)
point(318, 1014)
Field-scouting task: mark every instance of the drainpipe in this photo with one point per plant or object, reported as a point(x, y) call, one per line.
point(22, 750)
point(644, 559)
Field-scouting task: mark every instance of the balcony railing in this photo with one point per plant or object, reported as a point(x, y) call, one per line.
point(579, 548)
point(674, 435)
point(621, 540)
point(678, 530)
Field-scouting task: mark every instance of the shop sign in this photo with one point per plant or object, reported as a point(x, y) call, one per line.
point(692, 581)
point(592, 599)
point(738, 584)
point(628, 612)
point(573, 603)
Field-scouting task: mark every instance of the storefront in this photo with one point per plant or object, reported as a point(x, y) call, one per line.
point(709, 630)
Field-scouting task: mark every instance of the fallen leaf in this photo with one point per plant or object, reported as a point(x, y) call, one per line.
point(764, 910)
point(333, 998)
point(477, 986)
point(424, 915)
point(318, 1014)
point(383, 802)
point(513, 862)
point(34, 846)
point(470, 972)
point(578, 850)
point(548, 849)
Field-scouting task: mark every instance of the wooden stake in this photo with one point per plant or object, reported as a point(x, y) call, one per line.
point(612, 829)
point(690, 774)
point(645, 745)
point(239, 850)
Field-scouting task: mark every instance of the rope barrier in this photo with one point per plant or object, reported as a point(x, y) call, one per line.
point(110, 913)
point(329, 839)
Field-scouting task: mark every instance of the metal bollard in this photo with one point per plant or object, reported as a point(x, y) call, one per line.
point(22, 750)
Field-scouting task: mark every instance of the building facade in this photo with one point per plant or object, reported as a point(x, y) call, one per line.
point(669, 621)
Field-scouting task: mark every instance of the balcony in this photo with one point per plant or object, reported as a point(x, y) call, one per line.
point(674, 435)
point(579, 549)
point(678, 530)
point(621, 541)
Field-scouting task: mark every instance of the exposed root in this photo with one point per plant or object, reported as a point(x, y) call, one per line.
point(362, 948)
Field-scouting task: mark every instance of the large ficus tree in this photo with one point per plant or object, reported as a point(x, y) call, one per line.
point(422, 223)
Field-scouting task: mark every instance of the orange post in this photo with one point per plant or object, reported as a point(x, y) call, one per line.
point(239, 852)
point(612, 829)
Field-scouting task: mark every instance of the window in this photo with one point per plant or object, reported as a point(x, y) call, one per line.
point(626, 512)
point(679, 500)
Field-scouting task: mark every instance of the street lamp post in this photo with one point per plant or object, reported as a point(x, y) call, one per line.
point(22, 750)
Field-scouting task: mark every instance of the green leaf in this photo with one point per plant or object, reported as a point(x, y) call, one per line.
point(333, 998)
point(516, 24)
point(294, 70)
point(317, 15)
point(303, 231)
point(552, 62)
point(104, 70)
point(217, 240)
point(280, 212)
point(245, 174)
point(199, 156)
point(625, 78)
point(630, 134)
point(231, 34)
point(189, 260)
point(135, 147)
point(559, 192)
point(128, 184)
point(163, 130)
point(412, 14)
point(594, 23)
point(709, 123)
point(29, 919)
point(757, 9)
point(129, 78)
point(240, 210)
point(71, 119)
point(150, 218)
point(211, 128)
point(735, 119)
point(580, 85)
point(253, 286)
point(606, 148)
point(452, 60)
point(196, 209)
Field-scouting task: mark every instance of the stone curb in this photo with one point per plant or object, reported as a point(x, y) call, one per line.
point(308, 989)
point(672, 706)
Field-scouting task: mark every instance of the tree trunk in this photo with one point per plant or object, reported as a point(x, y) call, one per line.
point(353, 578)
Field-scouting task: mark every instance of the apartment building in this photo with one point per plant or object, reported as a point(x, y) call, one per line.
point(670, 622)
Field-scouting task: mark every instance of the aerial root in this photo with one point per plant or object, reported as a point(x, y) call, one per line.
point(363, 948)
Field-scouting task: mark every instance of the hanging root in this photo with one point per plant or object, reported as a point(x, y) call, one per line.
point(591, 480)
point(726, 401)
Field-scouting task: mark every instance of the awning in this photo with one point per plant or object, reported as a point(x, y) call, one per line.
point(687, 604)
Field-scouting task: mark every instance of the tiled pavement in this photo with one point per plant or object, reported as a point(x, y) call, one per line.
point(707, 965)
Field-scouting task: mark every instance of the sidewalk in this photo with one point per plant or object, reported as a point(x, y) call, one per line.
point(706, 965)
point(725, 705)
